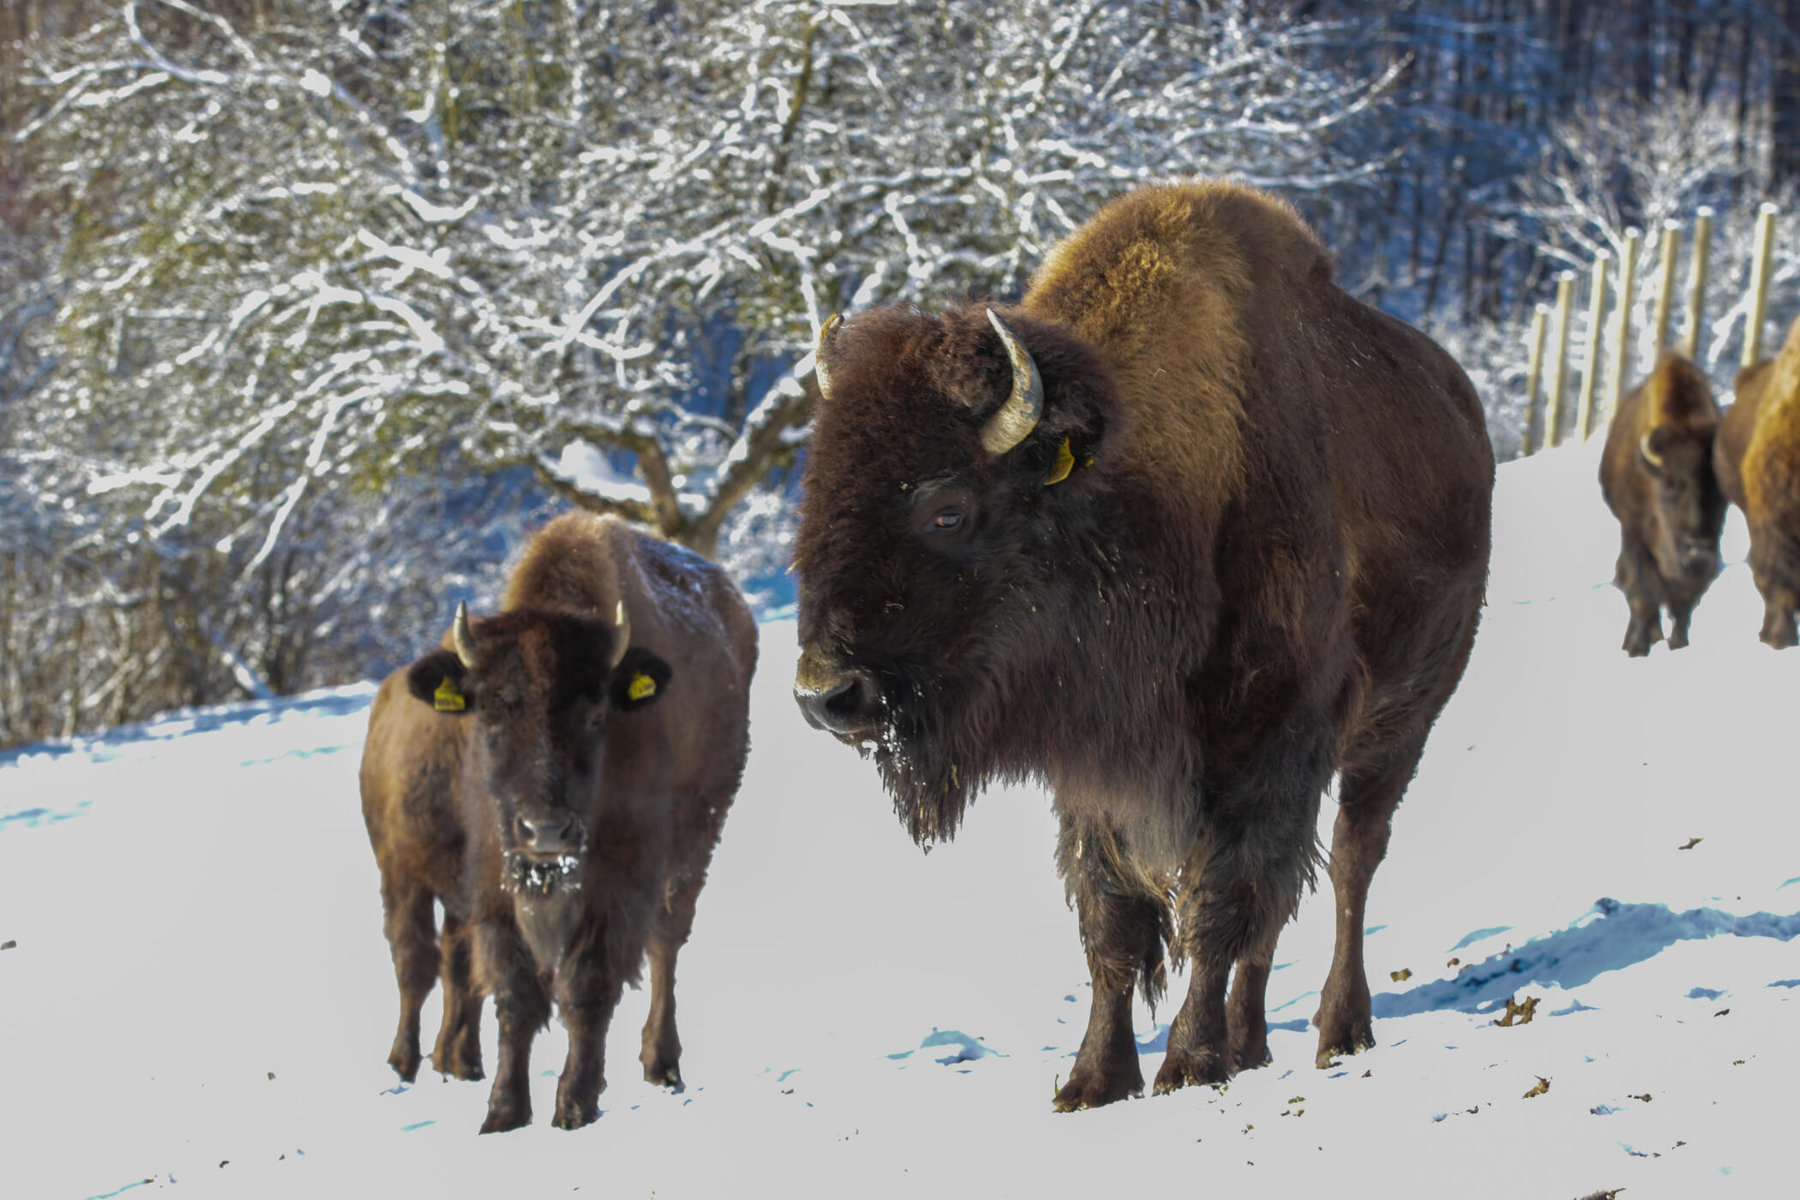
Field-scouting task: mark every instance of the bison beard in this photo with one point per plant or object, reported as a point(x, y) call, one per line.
point(536, 878)
point(1182, 535)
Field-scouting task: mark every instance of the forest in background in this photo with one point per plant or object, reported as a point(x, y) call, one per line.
point(307, 308)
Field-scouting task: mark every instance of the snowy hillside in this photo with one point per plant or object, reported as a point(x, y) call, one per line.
point(195, 996)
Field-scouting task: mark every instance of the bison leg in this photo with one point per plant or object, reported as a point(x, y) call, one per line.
point(1636, 576)
point(1209, 1040)
point(523, 1008)
point(1367, 797)
point(1778, 628)
point(661, 1053)
point(458, 1050)
point(1246, 1016)
point(1240, 886)
point(412, 937)
point(1678, 626)
point(587, 998)
point(1122, 933)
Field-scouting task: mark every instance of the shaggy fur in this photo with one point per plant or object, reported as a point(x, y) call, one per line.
point(639, 784)
point(1757, 457)
point(1267, 565)
point(1670, 511)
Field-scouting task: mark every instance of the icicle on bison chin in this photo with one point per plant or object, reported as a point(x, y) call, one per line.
point(1182, 534)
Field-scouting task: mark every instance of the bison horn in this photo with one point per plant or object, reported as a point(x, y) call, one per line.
point(1019, 415)
point(819, 373)
point(460, 637)
point(621, 635)
point(1650, 455)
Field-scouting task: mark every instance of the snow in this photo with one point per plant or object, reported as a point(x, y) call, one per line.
point(200, 1000)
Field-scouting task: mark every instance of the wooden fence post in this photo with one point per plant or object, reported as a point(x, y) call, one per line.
point(1590, 371)
point(1540, 325)
point(1565, 304)
point(1665, 289)
point(1696, 304)
point(1759, 284)
point(1622, 350)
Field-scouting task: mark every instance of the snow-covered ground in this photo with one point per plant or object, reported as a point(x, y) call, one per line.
point(199, 999)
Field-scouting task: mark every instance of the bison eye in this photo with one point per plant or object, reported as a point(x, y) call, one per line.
point(942, 507)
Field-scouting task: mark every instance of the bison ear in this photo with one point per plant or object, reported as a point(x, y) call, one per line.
point(439, 680)
point(638, 680)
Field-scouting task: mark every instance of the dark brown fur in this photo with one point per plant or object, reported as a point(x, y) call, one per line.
point(411, 765)
point(1267, 566)
point(1757, 457)
point(1670, 512)
point(637, 788)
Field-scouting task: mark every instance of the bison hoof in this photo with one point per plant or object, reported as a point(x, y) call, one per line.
point(1250, 1054)
point(1091, 1089)
point(663, 1074)
point(457, 1066)
point(1354, 1040)
point(468, 1072)
point(573, 1114)
point(1199, 1067)
point(405, 1064)
point(504, 1117)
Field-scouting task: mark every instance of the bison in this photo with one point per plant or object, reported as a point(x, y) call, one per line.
point(1656, 472)
point(585, 745)
point(411, 765)
point(1180, 535)
point(1757, 457)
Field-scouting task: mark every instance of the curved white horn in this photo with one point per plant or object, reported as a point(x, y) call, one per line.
point(621, 635)
point(1019, 415)
point(819, 373)
point(460, 637)
point(1650, 456)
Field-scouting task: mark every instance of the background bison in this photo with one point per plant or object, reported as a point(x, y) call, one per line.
point(1656, 473)
point(1182, 534)
point(1757, 457)
point(592, 736)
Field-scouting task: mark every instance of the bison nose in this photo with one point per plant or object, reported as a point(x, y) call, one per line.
point(548, 836)
point(842, 701)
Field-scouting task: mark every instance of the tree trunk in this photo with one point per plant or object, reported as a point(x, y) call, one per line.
point(1784, 163)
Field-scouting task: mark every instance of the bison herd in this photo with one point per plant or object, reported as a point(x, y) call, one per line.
point(1670, 465)
point(1185, 534)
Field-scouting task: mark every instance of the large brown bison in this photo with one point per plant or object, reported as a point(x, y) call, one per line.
point(1656, 472)
point(1757, 456)
point(1183, 533)
point(586, 743)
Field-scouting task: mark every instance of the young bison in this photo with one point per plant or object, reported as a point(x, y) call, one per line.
point(597, 729)
point(1656, 473)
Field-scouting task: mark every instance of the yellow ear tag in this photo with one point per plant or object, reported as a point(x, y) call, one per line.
point(641, 685)
point(1065, 462)
point(447, 698)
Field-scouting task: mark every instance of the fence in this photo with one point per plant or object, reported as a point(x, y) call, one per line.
point(1594, 404)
